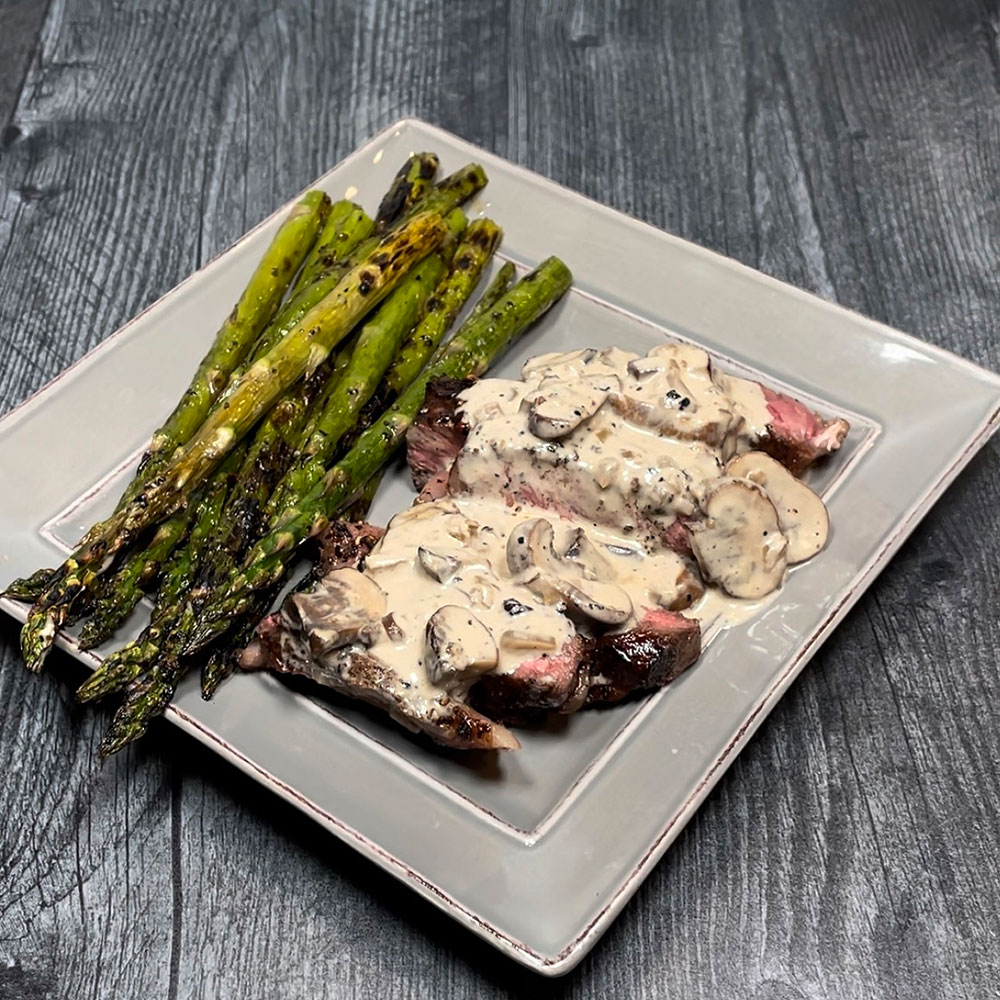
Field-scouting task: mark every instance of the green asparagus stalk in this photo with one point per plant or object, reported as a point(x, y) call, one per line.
point(468, 353)
point(233, 341)
point(346, 226)
point(146, 698)
point(30, 588)
point(223, 657)
point(244, 324)
point(128, 663)
point(334, 263)
point(452, 191)
point(302, 351)
point(378, 344)
point(443, 198)
point(471, 257)
point(408, 187)
point(125, 588)
point(118, 670)
point(501, 282)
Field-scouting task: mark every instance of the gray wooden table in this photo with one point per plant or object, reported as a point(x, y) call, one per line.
point(851, 147)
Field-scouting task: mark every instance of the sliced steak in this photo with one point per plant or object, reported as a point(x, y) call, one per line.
point(282, 647)
point(598, 670)
point(438, 433)
point(797, 437)
point(658, 650)
point(540, 684)
point(346, 543)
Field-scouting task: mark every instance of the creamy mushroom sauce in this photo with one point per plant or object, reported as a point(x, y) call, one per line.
point(483, 579)
point(662, 429)
point(468, 536)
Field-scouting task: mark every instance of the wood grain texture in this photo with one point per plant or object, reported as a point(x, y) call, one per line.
point(851, 147)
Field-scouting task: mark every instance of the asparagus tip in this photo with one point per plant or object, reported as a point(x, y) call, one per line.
point(36, 639)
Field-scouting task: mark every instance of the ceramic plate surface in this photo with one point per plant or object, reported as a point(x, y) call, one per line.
point(536, 851)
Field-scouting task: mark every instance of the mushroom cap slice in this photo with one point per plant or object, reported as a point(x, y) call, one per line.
point(440, 567)
point(458, 646)
point(740, 545)
point(592, 562)
point(802, 515)
point(344, 607)
point(532, 559)
point(560, 407)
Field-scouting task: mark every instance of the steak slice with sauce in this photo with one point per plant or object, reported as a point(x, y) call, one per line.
point(797, 437)
point(283, 646)
point(331, 637)
point(552, 681)
point(596, 670)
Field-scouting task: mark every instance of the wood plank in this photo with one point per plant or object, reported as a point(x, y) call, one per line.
point(849, 148)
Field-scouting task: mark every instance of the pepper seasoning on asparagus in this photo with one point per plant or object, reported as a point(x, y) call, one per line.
point(498, 287)
point(378, 344)
point(125, 588)
point(469, 352)
point(128, 663)
point(244, 324)
point(346, 226)
point(324, 274)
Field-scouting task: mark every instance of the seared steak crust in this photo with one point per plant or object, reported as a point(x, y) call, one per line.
point(438, 433)
point(538, 685)
point(797, 437)
point(658, 650)
point(346, 543)
point(599, 670)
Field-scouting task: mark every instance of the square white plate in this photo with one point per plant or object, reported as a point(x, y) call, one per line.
point(536, 851)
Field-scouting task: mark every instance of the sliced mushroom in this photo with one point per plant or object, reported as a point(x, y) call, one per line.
point(532, 559)
point(603, 602)
point(561, 407)
point(392, 628)
point(441, 567)
point(587, 556)
point(526, 545)
point(458, 646)
point(640, 368)
point(801, 513)
point(740, 545)
point(515, 638)
point(345, 607)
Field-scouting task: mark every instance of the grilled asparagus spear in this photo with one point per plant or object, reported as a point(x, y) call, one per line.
point(232, 343)
point(408, 187)
point(472, 255)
